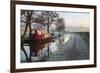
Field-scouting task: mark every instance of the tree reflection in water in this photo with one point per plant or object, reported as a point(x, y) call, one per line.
point(61, 40)
point(41, 51)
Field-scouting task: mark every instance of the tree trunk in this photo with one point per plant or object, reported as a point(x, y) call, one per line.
point(23, 36)
point(48, 25)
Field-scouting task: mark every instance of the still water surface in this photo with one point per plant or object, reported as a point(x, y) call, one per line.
point(50, 51)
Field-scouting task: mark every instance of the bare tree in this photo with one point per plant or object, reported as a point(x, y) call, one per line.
point(28, 15)
point(49, 17)
point(60, 24)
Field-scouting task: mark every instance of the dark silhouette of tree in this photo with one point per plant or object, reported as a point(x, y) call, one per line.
point(28, 15)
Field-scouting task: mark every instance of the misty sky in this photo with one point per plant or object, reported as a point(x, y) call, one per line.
point(76, 19)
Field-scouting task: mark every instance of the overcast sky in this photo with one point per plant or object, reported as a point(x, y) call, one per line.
point(76, 19)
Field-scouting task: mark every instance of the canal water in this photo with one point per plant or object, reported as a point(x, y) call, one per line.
point(49, 51)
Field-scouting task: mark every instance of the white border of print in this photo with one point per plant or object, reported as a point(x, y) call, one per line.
point(20, 65)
